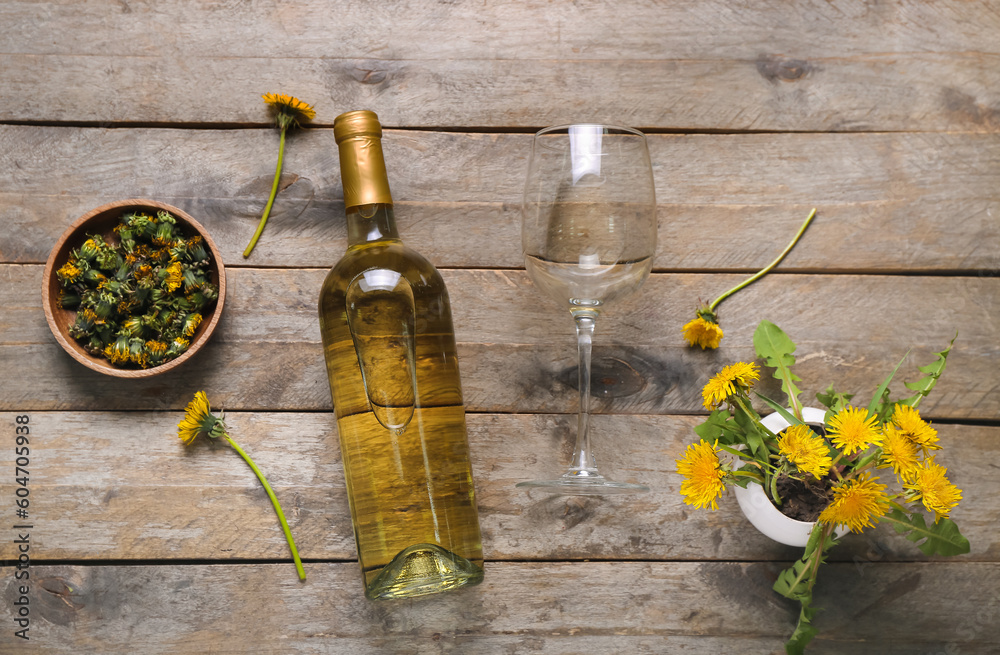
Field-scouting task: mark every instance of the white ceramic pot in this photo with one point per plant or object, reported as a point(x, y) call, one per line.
point(759, 509)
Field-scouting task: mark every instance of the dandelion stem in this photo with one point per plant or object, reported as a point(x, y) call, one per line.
point(739, 473)
point(270, 200)
point(828, 529)
point(274, 501)
point(768, 268)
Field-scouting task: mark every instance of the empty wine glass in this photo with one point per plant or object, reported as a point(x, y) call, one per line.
point(588, 233)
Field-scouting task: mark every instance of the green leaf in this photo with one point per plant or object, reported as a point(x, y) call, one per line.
point(925, 384)
point(776, 348)
point(716, 426)
point(797, 581)
point(862, 462)
point(833, 400)
point(785, 414)
point(804, 632)
point(941, 538)
point(793, 582)
point(880, 404)
point(752, 435)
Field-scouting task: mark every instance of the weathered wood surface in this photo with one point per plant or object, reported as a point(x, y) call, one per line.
point(518, 351)
point(887, 202)
point(121, 486)
point(885, 116)
point(717, 65)
point(553, 608)
point(699, 29)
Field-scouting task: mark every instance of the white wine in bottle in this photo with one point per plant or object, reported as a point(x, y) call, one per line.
point(393, 368)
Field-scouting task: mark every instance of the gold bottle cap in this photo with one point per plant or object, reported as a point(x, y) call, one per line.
point(362, 166)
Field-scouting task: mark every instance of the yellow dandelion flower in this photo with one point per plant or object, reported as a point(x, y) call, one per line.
point(118, 351)
point(856, 503)
point(191, 323)
point(126, 306)
point(702, 485)
point(853, 430)
point(931, 486)
point(198, 418)
point(178, 345)
point(116, 354)
point(916, 429)
point(899, 453)
point(69, 272)
point(289, 109)
point(288, 112)
point(174, 276)
point(89, 249)
point(732, 378)
point(156, 348)
point(702, 332)
point(806, 449)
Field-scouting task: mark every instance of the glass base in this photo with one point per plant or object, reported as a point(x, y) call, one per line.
point(583, 483)
point(423, 569)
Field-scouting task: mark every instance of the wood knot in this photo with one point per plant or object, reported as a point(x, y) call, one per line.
point(614, 378)
point(775, 69)
point(967, 107)
point(370, 75)
point(610, 377)
point(58, 600)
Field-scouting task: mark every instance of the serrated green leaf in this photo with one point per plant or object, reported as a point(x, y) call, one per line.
point(797, 581)
point(793, 582)
point(804, 632)
point(833, 400)
point(941, 538)
point(752, 436)
point(776, 348)
point(933, 370)
point(716, 426)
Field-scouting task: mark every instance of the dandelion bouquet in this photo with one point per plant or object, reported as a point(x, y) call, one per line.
point(872, 464)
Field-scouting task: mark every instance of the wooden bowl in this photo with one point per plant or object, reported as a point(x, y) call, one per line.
point(102, 221)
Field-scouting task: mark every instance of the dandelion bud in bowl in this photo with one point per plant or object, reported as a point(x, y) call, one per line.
point(133, 288)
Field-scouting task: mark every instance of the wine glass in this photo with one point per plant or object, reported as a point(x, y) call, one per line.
point(588, 233)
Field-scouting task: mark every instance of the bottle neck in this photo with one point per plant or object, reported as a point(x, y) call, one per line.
point(370, 224)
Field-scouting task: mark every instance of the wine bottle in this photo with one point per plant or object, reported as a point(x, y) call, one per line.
point(393, 368)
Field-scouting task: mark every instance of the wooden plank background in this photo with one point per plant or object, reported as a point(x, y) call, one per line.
point(889, 202)
point(884, 116)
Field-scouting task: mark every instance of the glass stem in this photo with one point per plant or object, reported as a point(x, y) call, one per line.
point(583, 459)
